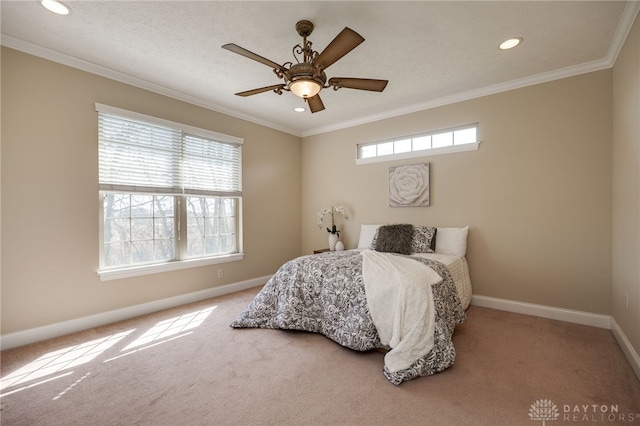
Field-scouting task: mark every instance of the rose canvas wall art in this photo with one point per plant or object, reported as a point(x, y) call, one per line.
point(409, 186)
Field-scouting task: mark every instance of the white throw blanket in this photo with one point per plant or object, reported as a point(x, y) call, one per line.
point(401, 304)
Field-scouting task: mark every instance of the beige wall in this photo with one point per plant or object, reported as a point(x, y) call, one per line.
point(50, 195)
point(536, 195)
point(626, 188)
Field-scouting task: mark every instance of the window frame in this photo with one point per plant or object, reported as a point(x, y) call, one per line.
point(180, 210)
point(472, 146)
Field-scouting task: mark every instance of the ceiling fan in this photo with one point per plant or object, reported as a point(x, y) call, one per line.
point(307, 76)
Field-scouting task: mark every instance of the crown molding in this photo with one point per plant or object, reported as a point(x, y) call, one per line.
point(627, 20)
point(118, 76)
point(471, 94)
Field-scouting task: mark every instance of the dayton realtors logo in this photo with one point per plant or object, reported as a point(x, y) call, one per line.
point(545, 410)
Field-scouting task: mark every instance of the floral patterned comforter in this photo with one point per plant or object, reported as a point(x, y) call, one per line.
point(325, 294)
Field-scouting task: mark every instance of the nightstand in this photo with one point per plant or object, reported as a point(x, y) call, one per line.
point(320, 251)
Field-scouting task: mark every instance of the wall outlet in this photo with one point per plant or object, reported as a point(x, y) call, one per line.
point(220, 273)
point(626, 302)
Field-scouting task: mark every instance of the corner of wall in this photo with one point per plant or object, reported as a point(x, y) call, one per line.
point(627, 348)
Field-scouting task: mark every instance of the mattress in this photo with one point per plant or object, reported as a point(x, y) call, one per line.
point(459, 272)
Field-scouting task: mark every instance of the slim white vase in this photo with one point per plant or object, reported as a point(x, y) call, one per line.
point(333, 239)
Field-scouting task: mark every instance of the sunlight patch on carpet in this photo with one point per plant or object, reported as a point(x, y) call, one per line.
point(142, 348)
point(72, 386)
point(63, 359)
point(171, 327)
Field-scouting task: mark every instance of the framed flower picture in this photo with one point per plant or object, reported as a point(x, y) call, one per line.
point(409, 186)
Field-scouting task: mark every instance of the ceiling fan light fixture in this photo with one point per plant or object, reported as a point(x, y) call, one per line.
point(305, 88)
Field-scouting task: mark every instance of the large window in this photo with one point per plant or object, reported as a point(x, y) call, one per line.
point(170, 194)
point(463, 138)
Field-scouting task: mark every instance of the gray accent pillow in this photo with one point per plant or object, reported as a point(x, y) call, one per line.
point(374, 241)
point(424, 239)
point(395, 238)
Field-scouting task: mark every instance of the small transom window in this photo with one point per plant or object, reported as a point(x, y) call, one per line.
point(462, 138)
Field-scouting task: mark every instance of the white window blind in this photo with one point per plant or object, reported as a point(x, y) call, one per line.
point(138, 153)
point(211, 168)
point(171, 195)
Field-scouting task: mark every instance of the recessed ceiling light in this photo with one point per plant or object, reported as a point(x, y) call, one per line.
point(56, 7)
point(299, 109)
point(511, 43)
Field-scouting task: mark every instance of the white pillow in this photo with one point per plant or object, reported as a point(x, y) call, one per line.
point(367, 232)
point(452, 241)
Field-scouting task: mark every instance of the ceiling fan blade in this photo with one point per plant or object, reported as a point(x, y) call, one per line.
point(276, 88)
point(315, 103)
point(344, 43)
point(247, 54)
point(358, 83)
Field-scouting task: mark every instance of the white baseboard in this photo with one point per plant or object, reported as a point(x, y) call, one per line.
point(578, 317)
point(25, 337)
point(627, 348)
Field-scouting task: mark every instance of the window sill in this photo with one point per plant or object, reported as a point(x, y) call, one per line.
point(115, 274)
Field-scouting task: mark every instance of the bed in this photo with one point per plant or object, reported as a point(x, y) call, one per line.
point(404, 302)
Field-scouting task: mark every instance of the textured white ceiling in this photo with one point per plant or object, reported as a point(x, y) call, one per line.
point(432, 53)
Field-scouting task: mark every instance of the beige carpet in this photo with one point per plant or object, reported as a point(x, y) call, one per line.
point(185, 366)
